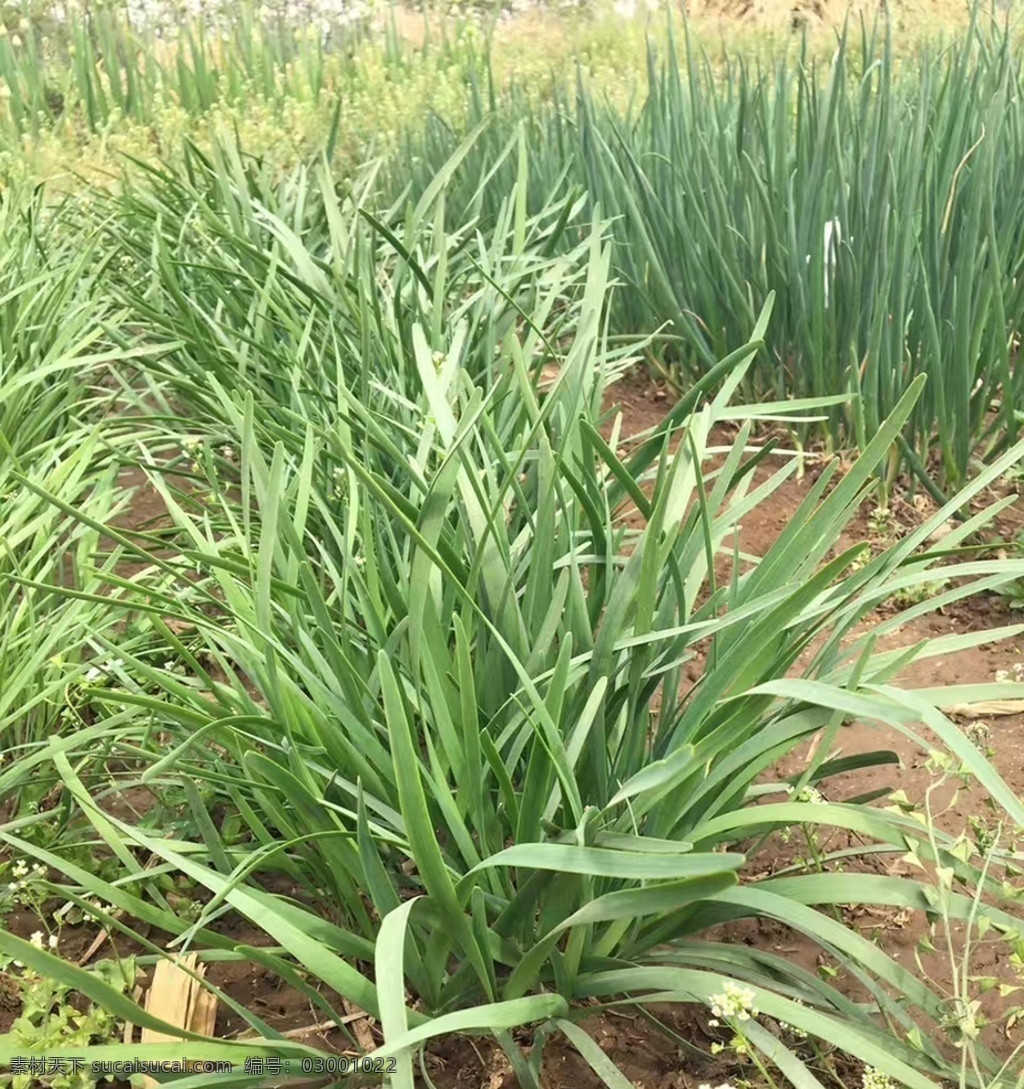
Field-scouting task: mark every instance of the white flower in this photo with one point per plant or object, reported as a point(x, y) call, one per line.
point(734, 1001)
point(20, 868)
point(977, 733)
point(875, 1079)
point(52, 942)
point(807, 794)
point(799, 1033)
point(37, 939)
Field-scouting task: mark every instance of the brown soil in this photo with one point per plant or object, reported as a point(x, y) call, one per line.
point(649, 1057)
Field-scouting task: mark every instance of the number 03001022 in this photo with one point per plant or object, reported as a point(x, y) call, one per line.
point(338, 1064)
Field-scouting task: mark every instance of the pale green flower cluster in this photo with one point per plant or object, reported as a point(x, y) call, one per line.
point(875, 1079)
point(23, 874)
point(808, 794)
point(734, 1001)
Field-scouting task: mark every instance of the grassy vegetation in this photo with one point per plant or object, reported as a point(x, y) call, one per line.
point(877, 199)
point(407, 633)
point(873, 190)
point(81, 93)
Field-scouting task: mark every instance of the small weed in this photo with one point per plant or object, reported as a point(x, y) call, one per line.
point(51, 1020)
point(914, 595)
point(1013, 594)
point(23, 886)
point(882, 524)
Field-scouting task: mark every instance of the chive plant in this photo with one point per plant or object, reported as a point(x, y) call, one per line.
point(723, 180)
point(415, 638)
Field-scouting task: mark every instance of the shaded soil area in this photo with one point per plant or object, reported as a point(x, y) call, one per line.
point(669, 1048)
